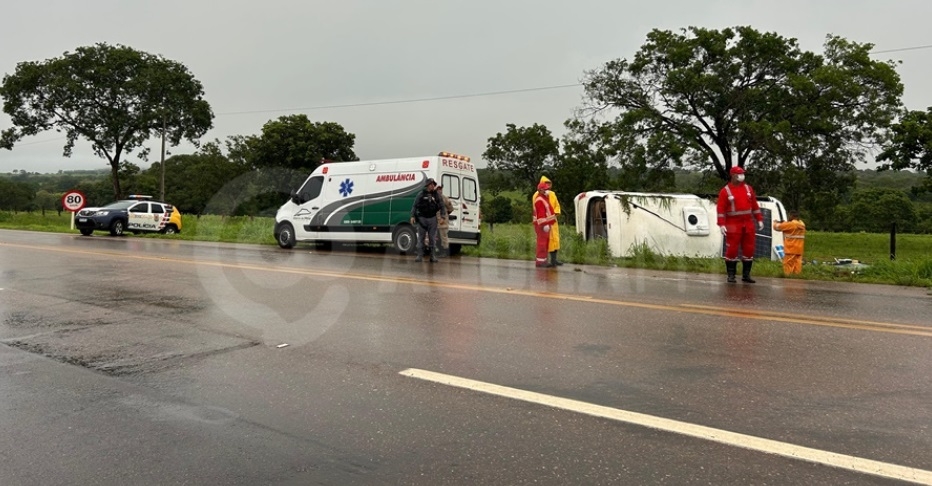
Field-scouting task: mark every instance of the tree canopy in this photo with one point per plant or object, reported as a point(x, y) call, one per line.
point(874, 210)
point(910, 147)
point(294, 142)
point(115, 97)
point(523, 153)
point(723, 98)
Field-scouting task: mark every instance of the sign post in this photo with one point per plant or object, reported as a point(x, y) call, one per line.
point(73, 201)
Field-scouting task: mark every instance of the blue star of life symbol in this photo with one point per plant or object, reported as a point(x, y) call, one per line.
point(346, 187)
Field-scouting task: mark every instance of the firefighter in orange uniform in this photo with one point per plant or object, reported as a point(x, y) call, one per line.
point(544, 219)
point(737, 210)
point(794, 238)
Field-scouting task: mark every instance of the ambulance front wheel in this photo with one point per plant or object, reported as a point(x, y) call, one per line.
point(404, 239)
point(284, 235)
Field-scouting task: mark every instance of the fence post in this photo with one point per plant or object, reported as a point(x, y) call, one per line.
point(893, 241)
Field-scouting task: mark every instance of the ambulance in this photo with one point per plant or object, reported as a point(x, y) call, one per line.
point(370, 202)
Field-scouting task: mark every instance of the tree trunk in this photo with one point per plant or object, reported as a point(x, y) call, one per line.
point(115, 174)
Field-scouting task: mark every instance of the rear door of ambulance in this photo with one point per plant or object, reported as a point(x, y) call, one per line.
point(461, 184)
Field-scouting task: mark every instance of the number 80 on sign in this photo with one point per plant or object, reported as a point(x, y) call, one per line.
point(73, 201)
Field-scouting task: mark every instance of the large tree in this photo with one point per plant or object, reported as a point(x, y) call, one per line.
point(115, 97)
point(910, 147)
point(288, 149)
point(721, 98)
point(523, 153)
point(294, 142)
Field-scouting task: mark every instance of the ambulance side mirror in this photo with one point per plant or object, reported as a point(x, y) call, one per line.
point(295, 198)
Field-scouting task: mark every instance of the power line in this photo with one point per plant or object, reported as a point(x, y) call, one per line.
point(41, 141)
point(375, 103)
point(449, 97)
point(477, 95)
point(413, 100)
point(902, 49)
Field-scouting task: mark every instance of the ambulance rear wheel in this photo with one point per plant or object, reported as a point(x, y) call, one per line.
point(455, 249)
point(404, 239)
point(284, 235)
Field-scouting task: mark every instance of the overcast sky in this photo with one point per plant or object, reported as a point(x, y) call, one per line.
point(279, 57)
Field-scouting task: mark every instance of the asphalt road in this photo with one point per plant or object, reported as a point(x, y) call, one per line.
point(149, 361)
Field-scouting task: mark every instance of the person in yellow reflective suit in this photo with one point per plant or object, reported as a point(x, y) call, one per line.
point(794, 238)
point(554, 245)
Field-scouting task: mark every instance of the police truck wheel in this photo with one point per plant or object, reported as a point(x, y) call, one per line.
point(170, 230)
point(404, 239)
point(86, 231)
point(284, 235)
point(117, 227)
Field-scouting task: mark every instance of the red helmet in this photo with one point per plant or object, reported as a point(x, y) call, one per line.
point(736, 170)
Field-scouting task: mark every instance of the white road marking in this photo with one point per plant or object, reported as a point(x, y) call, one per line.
point(841, 461)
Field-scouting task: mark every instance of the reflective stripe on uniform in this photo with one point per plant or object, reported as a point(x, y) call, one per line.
point(731, 198)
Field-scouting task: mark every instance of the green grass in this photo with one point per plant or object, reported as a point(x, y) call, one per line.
point(232, 229)
point(51, 222)
point(869, 248)
point(912, 267)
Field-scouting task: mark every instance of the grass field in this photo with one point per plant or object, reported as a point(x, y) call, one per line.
point(912, 267)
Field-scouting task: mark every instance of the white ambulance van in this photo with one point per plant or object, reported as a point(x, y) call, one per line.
point(370, 202)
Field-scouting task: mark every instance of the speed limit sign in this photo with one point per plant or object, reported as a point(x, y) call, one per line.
point(73, 201)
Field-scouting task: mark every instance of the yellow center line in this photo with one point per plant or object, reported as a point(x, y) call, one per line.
point(886, 327)
point(818, 318)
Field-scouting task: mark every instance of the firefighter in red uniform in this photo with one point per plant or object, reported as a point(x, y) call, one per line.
point(737, 211)
point(544, 218)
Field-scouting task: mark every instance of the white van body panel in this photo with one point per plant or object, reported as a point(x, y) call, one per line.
point(667, 224)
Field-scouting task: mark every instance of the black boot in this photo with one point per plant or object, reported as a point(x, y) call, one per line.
point(732, 269)
point(553, 258)
point(746, 271)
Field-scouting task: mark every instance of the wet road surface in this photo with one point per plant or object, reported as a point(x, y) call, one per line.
point(151, 361)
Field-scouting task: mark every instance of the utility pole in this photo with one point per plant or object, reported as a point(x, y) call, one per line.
point(162, 194)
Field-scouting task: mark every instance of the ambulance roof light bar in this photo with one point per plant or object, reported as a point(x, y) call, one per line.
point(454, 156)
